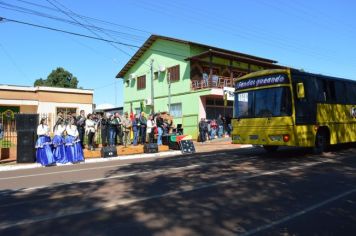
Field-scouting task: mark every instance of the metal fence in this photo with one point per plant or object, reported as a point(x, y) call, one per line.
point(9, 135)
point(8, 127)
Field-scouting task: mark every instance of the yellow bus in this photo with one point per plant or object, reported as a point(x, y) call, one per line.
point(287, 107)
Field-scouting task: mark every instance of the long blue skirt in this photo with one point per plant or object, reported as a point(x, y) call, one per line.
point(44, 153)
point(59, 152)
point(73, 149)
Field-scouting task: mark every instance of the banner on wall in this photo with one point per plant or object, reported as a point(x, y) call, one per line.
point(229, 93)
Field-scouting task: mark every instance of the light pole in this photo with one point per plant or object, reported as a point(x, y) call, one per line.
point(152, 87)
point(169, 92)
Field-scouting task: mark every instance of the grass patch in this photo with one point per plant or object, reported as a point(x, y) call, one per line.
point(5, 143)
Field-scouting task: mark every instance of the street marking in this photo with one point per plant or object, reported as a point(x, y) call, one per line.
point(66, 213)
point(103, 167)
point(39, 200)
point(94, 160)
point(299, 213)
point(127, 175)
point(60, 172)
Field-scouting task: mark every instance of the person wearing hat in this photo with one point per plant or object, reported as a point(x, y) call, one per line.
point(126, 127)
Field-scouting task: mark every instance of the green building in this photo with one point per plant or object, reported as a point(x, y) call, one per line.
point(189, 79)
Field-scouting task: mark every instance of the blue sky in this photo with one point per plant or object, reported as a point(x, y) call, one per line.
point(317, 36)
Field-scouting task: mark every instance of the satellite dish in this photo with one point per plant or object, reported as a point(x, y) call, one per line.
point(162, 68)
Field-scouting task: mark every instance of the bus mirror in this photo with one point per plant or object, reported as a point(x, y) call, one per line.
point(300, 90)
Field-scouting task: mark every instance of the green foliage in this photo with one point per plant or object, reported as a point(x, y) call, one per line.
point(5, 143)
point(58, 78)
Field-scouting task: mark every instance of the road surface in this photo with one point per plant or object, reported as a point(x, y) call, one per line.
point(227, 192)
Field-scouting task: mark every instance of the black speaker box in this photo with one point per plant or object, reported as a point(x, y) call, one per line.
point(174, 146)
point(187, 146)
point(26, 122)
point(108, 151)
point(167, 140)
point(26, 152)
point(150, 148)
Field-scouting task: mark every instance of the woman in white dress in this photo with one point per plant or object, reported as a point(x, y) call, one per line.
point(90, 128)
point(151, 125)
point(44, 153)
point(73, 147)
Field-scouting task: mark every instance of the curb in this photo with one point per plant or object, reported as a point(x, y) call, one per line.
point(94, 160)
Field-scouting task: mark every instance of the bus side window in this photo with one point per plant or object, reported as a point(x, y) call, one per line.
point(351, 94)
point(320, 94)
point(340, 90)
point(330, 92)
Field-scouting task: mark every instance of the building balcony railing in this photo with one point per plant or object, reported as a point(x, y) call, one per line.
point(212, 82)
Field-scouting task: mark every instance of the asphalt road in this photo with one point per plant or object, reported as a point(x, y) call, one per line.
point(232, 192)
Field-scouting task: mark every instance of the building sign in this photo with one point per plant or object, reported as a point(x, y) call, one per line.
point(229, 93)
point(262, 81)
point(243, 97)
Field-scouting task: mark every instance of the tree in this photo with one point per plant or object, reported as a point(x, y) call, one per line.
point(58, 78)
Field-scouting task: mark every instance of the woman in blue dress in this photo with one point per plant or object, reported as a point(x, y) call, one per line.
point(58, 143)
point(73, 147)
point(43, 145)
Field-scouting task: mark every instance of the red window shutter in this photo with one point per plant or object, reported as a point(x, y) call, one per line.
point(141, 82)
point(174, 73)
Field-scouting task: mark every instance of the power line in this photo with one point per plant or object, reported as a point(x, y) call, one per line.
point(21, 9)
point(87, 36)
point(66, 13)
point(89, 18)
point(113, 45)
point(92, 25)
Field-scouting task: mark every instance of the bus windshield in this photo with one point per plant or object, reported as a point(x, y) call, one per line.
point(269, 102)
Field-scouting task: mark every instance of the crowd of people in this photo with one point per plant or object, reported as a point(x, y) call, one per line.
point(215, 128)
point(67, 143)
point(117, 129)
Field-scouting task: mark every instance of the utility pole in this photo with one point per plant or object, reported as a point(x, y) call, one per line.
point(169, 92)
point(152, 87)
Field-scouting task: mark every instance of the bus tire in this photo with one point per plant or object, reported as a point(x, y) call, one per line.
point(269, 148)
point(321, 142)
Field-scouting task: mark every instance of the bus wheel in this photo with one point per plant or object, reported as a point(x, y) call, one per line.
point(270, 148)
point(321, 142)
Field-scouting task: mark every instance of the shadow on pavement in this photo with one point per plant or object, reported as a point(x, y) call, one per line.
point(218, 196)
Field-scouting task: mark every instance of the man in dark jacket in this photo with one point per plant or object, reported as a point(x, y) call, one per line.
point(104, 127)
point(143, 127)
point(118, 136)
point(203, 127)
point(220, 123)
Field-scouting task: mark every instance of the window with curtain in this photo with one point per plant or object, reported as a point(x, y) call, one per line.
point(176, 110)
